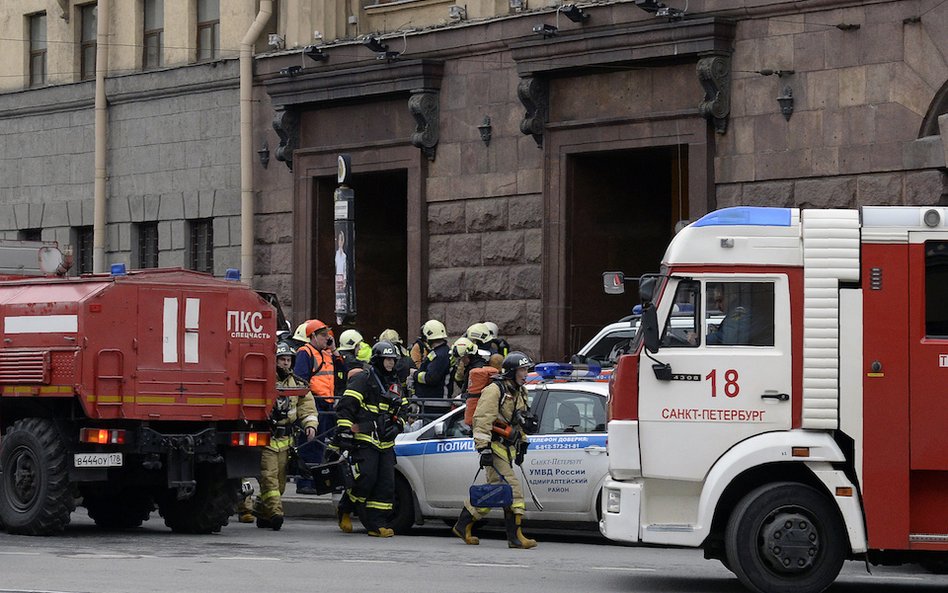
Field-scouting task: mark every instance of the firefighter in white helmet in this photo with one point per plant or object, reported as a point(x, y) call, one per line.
point(433, 374)
point(350, 343)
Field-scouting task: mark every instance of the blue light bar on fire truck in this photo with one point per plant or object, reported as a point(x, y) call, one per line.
point(560, 370)
point(746, 216)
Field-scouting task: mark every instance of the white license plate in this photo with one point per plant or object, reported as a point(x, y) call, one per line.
point(98, 460)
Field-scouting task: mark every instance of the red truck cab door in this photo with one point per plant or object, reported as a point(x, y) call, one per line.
point(928, 388)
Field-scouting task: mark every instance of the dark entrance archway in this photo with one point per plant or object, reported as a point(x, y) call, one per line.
point(381, 250)
point(622, 207)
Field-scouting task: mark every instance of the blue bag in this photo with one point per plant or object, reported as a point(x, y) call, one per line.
point(491, 495)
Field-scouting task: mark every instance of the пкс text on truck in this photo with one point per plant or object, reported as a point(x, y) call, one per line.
point(130, 390)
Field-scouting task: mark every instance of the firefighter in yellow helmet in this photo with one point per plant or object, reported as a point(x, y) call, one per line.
point(501, 423)
point(289, 413)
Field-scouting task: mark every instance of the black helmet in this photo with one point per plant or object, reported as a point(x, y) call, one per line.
point(514, 361)
point(284, 349)
point(383, 350)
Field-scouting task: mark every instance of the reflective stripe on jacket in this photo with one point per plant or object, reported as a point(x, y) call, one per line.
point(321, 372)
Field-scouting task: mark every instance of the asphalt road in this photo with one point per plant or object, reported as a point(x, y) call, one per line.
point(313, 555)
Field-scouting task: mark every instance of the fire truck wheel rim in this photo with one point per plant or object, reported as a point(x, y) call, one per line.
point(789, 540)
point(24, 480)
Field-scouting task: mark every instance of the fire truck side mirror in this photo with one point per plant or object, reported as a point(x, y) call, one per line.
point(613, 282)
point(649, 329)
point(647, 288)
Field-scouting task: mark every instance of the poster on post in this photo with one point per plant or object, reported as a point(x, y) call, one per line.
point(344, 234)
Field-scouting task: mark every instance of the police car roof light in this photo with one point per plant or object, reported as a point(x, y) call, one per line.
point(562, 370)
point(746, 216)
point(232, 274)
point(118, 269)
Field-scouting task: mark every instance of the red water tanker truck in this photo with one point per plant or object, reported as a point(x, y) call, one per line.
point(127, 392)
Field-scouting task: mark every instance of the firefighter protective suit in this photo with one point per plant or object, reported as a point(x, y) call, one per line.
point(367, 424)
point(289, 412)
point(500, 439)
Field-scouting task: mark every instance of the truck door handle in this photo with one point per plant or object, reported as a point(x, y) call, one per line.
point(774, 395)
point(594, 449)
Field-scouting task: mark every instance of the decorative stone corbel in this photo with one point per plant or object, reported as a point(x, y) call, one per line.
point(714, 72)
point(534, 93)
point(286, 123)
point(425, 107)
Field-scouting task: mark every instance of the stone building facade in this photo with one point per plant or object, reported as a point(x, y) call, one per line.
point(499, 166)
point(604, 134)
point(173, 162)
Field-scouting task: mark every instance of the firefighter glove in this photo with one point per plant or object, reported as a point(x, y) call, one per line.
point(487, 458)
point(392, 430)
point(521, 452)
point(345, 439)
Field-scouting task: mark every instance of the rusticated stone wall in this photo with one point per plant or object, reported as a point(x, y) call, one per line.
point(484, 259)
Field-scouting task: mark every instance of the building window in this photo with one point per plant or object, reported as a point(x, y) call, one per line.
point(148, 245)
point(84, 249)
point(153, 39)
point(208, 29)
point(740, 313)
point(936, 289)
point(87, 38)
point(38, 49)
point(30, 235)
point(202, 245)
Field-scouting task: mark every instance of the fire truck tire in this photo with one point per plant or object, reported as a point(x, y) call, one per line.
point(35, 494)
point(403, 513)
point(208, 510)
point(124, 509)
point(785, 537)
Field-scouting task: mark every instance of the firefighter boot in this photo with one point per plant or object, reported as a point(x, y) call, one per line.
point(381, 532)
point(463, 527)
point(276, 522)
point(344, 519)
point(515, 537)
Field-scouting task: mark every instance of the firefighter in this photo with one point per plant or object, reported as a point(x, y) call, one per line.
point(501, 422)
point(419, 349)
point(433, 378)
point(289, 412)
point(316, 363)
point(497, 345)
point(368, 423)
point(350, 342)
point(405, 363)
point(468, 358)
point(481, 335)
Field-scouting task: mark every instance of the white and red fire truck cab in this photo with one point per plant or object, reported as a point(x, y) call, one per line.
point(802, 418)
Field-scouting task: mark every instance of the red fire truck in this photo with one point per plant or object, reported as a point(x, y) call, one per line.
point(128, 390)
point(795, 415)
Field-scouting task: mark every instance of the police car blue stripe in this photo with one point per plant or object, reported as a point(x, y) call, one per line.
point(537, 443)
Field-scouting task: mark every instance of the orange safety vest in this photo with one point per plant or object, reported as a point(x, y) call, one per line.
point(322, 382)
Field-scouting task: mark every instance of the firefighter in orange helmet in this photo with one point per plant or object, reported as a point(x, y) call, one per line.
point(316, 365)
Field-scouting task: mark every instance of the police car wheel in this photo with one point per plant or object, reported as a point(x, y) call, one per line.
point(403, 513)
point(785, 537)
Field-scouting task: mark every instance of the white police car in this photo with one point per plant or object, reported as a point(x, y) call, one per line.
point(566, 463)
